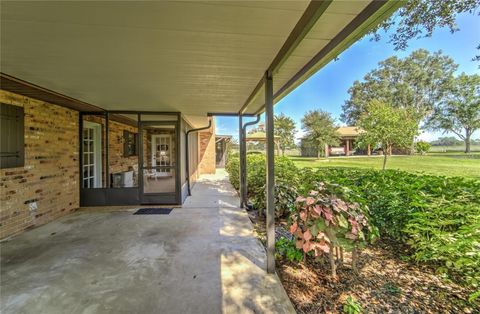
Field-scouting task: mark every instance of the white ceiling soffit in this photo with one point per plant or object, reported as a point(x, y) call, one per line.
point(193, 57)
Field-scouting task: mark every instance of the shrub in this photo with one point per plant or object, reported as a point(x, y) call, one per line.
point(285, 178)
point(286, 248)
point(422, 147)
point(323, 222)
point(448, 234)
point(232, 167)
point(285, 196)
point(393, 196)
point(352, 306)
point(437, 216)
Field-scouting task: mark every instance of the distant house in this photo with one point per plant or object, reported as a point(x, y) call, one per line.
point(348, 137)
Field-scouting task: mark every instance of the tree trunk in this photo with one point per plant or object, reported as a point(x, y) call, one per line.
point(333, 266)
point(283, 152)
point(467, 142)
point(354, 259)
point(385, 154)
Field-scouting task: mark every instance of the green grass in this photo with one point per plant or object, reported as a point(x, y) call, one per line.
point(445, 164)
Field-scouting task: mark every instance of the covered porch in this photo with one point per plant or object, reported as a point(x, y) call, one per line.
point(201, 258)
point(72, 70)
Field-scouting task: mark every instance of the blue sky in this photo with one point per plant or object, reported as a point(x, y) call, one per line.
point(327, 89)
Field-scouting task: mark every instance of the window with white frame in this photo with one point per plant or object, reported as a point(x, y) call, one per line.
point(88, 158)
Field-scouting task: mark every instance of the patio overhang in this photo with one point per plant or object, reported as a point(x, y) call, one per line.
point(190, 57)
point(195, 59)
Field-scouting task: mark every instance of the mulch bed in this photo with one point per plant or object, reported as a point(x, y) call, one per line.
point(386, 283)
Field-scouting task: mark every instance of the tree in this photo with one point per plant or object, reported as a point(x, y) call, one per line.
point(422, 147)
point(284, 127)
point(320, 128)
point(446, 141)
point(387, 126)
point(419, 18)
point(417, 82)
point(459, 112)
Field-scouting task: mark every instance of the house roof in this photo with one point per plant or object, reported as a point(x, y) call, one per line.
point(188, 56)
point(347, 131)
point(258, 136)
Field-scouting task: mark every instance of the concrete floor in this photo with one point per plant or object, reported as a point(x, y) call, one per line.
point(202, 258)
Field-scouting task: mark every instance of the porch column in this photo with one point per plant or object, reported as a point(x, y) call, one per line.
point(270, 150)
point(243, 160)
point(347, 147)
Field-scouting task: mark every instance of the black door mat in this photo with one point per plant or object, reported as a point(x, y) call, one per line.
point(153, 211)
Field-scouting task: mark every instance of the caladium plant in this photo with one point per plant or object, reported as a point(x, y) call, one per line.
point(322, 222)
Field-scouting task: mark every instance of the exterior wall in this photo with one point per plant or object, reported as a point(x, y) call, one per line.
point(193, 156)
point(206, 145)
point(117, 162)
point(47, 186)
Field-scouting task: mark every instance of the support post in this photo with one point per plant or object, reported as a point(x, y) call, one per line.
point(245, 176)
point(270, 173)
point(243, 160)
point(347, 143)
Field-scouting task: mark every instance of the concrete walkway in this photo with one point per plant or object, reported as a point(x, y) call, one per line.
point(202, 258)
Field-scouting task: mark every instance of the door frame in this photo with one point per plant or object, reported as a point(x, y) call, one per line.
point(160, 198)
point(97, 152)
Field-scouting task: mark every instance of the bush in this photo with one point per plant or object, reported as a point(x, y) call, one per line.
point(351, 306)
point(285, 178)
point(422, 147)
point(286, 248)
point(322, 222)
point(232, 167)
point(393, 196)
point(448, 234)
point(438, 217)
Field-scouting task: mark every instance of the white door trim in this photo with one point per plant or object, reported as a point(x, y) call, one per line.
point(97, 151)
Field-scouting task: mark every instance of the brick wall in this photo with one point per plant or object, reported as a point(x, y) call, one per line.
point(206, 146)
point(116, 159)
point(47, 187)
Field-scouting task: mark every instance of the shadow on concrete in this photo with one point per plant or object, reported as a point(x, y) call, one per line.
point(198, 259)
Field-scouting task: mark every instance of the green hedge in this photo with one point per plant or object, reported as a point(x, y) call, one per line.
point(394, 196)
point(438, 217)
point(286, 180)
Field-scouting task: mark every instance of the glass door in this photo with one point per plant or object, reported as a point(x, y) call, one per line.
point(159, 163)
point(91, 155)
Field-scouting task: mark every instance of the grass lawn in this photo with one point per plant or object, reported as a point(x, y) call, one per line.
point(446, 164)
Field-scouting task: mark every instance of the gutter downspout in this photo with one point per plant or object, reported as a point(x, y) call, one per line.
point(187, 166)
point(244, 160)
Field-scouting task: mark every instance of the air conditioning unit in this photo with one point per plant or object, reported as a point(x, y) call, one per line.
point(122, 179)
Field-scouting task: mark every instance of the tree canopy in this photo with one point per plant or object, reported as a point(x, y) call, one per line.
point(284, 127)
point(446, 141)
point(417, 82)
point(387, 126)
point(459, 112)
point(320, 129)
point(419, 18)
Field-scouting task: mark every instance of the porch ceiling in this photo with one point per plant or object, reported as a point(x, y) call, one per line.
point(194, 57)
